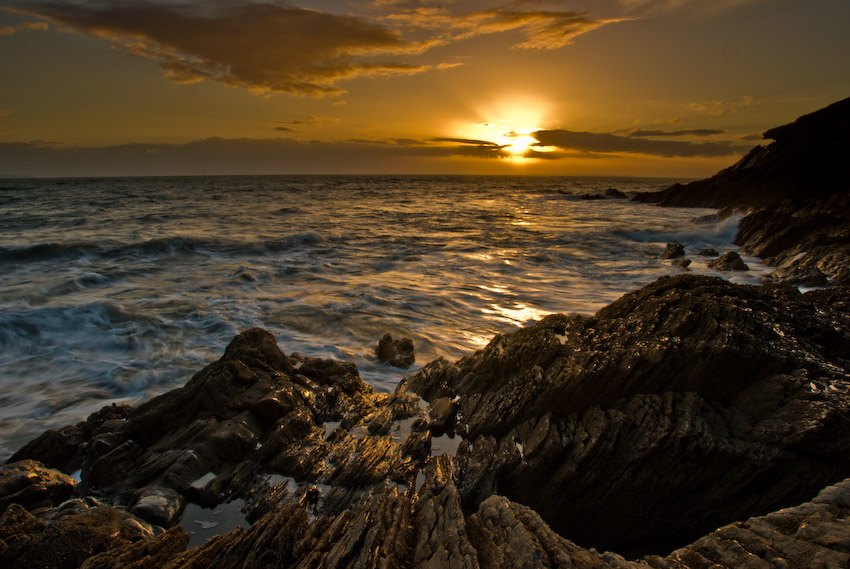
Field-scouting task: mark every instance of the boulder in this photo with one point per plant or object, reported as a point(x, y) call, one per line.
point(729, 261)
point(30, 484)
point(681, 263)
point(673, 251)
point(397, 353)
point(709, 253)
point(614, 193)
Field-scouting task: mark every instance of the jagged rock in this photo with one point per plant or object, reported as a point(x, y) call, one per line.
point(808, 240)
point(682, 263)
point(158, 506)
point(29, 484)
point(397, 353)
point(729, 261)
point(442, 414)
point(614, 193)
point(142, 554)
point(616, 428)
point(577, 433)
point(673, 251)
point(813, 534)
point(709, 253)
point(71, 537)
point(61, 447)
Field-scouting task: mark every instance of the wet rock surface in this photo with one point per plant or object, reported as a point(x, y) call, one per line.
point(673, 251)
point(729, 261)
point(691, 399)
point(397, 353)
point(807, 240)
point(688, 405)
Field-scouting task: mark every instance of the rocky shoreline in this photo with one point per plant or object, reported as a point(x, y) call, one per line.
point(796, 193)
point(688, 405)
point(693, 423)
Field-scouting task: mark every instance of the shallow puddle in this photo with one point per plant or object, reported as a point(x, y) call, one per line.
point(445, 444)
point(204, 523)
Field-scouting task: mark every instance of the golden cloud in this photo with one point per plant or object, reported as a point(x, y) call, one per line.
point(261, 47)
point(25, 27)
point(541, 29)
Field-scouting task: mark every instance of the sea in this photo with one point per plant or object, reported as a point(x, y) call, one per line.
point(117, 290)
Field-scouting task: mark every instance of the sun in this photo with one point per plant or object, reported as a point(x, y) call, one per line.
point(516, 141)
point(510, 123)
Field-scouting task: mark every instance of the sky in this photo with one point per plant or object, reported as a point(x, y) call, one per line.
point(662, 88)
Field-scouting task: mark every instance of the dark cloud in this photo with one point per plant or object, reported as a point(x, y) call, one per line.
point(301, 122)
point(259, 46)
point(283, 129)
point(639, 133)
point(562, 154)
point(232, 156)
point(470, 141)
point(752, 137)
point(606, 143)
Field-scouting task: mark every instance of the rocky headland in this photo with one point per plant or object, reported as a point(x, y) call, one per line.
point(796, 193)
point(693, 423)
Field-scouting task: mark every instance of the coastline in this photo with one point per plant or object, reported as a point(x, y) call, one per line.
point(687, 405)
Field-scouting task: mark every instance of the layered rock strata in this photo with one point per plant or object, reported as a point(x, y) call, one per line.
point(688, 405)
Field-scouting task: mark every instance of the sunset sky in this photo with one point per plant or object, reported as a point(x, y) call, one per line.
point(677, 88)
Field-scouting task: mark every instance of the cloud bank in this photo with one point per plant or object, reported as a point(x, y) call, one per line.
point(605, 143)
point(212, 156)
point(640, 133)
point(289, 156)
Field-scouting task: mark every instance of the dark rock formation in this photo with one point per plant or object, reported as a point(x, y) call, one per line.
point(673, 251)
point(684, 406)
point(616, 194)
point(806, 160)
point(397, 353)
point(709, 253)
point(31, 485)
point(681, 262)
point(799, 188)
point(807, 240)
point(729, 261)
point(616, 429)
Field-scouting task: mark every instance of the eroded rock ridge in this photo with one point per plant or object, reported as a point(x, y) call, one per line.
point(688, 405)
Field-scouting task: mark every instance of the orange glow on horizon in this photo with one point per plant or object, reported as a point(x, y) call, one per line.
point(509, 123)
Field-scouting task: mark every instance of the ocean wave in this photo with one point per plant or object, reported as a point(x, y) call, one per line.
point(46, 252)
point(688, 233)
point(289, 242)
